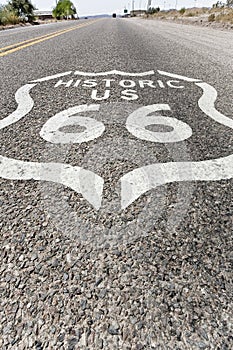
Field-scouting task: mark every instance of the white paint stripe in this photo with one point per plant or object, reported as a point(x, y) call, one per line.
point(93, 129)
point(206, 104)
point(78, 179)
point(137, 122)
point(115, 72)
point(25, 105)
point(51, 77)
point(176, 76)
point(141, 180)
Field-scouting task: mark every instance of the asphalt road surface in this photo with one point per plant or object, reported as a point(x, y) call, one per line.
point(116, 186)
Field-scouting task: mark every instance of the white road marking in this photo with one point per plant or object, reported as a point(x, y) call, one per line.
point(51, 77)
point(114, 72)
point(100, 98)
point(135, 183)
point(170, 83)
point(137, 122)
point(93, 128)
point(176, 76)
point(206, 104)
point(141, 180)
point(25, 105)
point(89, 184)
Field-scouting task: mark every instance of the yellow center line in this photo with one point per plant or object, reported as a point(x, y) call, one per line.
point(37, 40)
point(32, 39)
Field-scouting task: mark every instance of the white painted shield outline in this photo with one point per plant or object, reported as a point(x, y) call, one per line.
point(90, 185)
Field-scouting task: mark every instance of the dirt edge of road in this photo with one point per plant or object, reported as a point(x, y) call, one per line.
point(210, 18)
point(197, 22)
point(12, 26)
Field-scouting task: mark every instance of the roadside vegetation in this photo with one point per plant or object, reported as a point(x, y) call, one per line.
point(8, 15)
point(64, 9)
point(219, 13)
point(16, 11)
point(22, 11)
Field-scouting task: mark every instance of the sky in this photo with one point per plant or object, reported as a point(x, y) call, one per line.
point(91, 7)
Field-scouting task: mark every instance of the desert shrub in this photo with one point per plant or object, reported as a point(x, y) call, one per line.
point(182, 10)
point(8, 16)
point(153, 10)
point(218, 5)
point(225, 17)
point(211, 17)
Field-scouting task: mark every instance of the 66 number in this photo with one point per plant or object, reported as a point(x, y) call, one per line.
point(136, 123)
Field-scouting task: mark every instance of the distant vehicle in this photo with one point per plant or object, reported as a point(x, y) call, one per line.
point(114, 15)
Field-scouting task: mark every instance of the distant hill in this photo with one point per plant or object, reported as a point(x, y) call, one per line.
point(95, 16)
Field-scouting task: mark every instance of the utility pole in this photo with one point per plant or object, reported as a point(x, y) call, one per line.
point(148, 4)
point(133, 7)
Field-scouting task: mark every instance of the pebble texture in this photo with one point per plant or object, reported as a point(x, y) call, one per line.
point(168, 287)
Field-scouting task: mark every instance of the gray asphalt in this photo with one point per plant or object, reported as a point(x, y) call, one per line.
point(18, 34)
point(156, 275)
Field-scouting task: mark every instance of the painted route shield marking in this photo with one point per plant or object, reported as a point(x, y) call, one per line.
point(73, 126)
